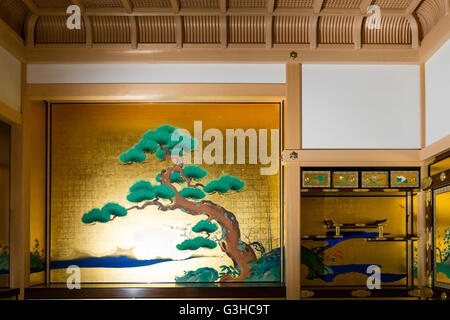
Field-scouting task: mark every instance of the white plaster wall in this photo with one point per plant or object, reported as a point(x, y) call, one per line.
point(437, 95)
point(361, 106)
point(156, 73)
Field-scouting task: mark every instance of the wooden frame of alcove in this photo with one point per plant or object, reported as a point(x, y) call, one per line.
point(142, 93)
point(29, 163)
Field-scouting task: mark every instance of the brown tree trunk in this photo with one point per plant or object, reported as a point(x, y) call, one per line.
point(230, 243)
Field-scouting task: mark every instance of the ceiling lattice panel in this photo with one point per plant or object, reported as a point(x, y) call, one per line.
point(14, 13)
point(156, 29)
point(246, 29)
point(53, 30)
point(47, 4)
point(110, 29)
point(394, 30)
point(291, 29)
point(203, 29)
point(224, 23)
point(336, 29)
point(102, 3)
point(428, 13)
point(293, 4)
point(151, 3)
point(342, 4)
point(392, 4)
point(199, 4)
point(247, 4)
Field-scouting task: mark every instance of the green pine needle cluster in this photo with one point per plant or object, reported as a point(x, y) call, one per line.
point(224, 184)
point(144, 190)
point(158, 141)
point(104, 215)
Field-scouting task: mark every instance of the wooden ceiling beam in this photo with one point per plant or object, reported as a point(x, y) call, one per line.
point(31, 6)
point(223, 20)
point(313, 27)
point(414, 31)
point(223, 6)
point(364, 5)
point(30, 27)
point(357, 32)
point(213, 12)
point(12, 42)
point(127, 5)
point(269, 31)
point(134, 36)
point(317, 6)
point(412, 7)
point(175, 5)
point(88, 30)
point(270, 6)
point(179, 31)
point(392, 54)
point(79, 4)
point(435, 39)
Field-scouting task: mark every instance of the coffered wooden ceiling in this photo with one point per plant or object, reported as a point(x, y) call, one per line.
point(223, 24)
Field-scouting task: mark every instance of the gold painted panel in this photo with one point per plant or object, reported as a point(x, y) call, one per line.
point(344, 261)
point(316, 179)
point(405, 179)
point(442, 241)
point(415, 243)
point(87, 141)
point(38, 194)
point(440, 166)
point(345, 179)
point(375, 179)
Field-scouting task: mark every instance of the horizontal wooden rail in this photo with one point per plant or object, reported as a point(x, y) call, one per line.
point(225, 290)
point(9, 293)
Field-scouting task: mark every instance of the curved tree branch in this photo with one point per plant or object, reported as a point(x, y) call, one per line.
point(154, 202)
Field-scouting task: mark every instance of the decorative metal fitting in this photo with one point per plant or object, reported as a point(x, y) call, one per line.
point(293, 155)
point(444, 296)
point(443, 176)
point(426, 183)
point(425, 293)
point(361, 293)
point(307, 294)
point(293, 55)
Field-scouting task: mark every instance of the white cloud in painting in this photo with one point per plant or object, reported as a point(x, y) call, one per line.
point(158, 242)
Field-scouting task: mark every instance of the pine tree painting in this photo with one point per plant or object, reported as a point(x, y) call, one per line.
point(182, 187)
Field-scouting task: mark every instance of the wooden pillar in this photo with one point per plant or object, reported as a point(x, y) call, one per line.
point(21, 155)
point(18, 221)
point(422, 219)
point(292, 142)
point(422, 242)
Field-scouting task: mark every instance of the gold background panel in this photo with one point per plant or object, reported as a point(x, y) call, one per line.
point(345, 179)
point(442, 214)
point(374, 179)
point(356, 209)
point(406, 179)
point(86, 173)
